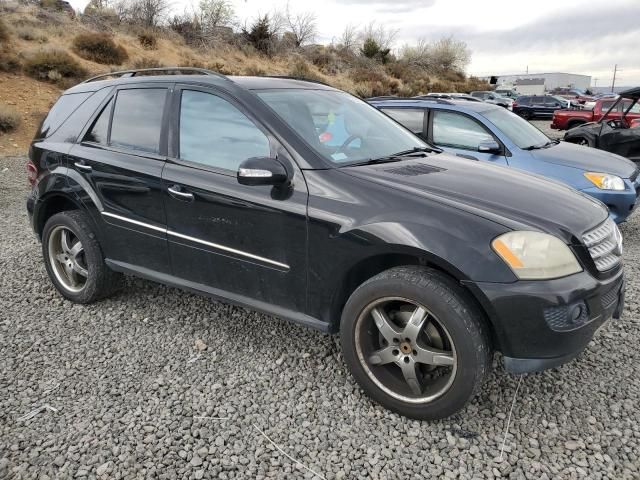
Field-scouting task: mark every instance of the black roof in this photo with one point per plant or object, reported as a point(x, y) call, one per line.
point(633, 93)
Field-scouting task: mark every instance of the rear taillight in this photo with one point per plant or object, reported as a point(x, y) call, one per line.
point(514, 104)
point(32, 173)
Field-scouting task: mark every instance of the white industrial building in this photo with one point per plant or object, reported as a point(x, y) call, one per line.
point(551, 80)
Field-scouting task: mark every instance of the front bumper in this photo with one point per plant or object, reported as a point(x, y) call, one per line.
point(543, 324)
point(621, 203)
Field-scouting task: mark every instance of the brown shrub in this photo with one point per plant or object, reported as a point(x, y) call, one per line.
point(145, 62)
point(9, 61)
point(53, 65)
point(31, 35)
point(301, 69)
point(222, 68)
point(9, 118)
point(4, 32)
point(254, 71)
point(148, 40)
point(99, 48)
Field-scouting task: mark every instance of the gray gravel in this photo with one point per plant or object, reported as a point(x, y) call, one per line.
point(130, 379)
point(544, 125)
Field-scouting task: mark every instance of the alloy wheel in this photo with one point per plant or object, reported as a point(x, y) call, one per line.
point(67, 259)
point(405, 350)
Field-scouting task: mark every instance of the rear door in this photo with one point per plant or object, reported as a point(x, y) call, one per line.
point(118, 163)
point(247, 242)
point(461, 135)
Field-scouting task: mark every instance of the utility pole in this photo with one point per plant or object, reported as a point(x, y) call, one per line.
point(595, 82)
point(613, 83)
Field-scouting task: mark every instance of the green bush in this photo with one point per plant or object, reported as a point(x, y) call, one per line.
point(9, 118)
point(99, 48)
point(53, 65)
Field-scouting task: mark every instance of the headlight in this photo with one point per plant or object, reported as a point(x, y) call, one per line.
point(535, 255)
point(605, 181)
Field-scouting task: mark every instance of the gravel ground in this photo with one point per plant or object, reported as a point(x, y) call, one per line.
point(128, 390)
point(544, 126)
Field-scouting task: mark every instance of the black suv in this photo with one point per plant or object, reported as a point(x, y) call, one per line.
point(300, 200)
point(538, 106)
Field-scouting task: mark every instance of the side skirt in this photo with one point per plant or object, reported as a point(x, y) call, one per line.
point(218, 294)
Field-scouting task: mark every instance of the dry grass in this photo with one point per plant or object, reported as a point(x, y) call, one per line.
point(148, 40)
point(31, 35)
point(9, 118)
point(9, 61)
point(145, 62)
point(4, 32)
point(54, 65)
point(99, 48)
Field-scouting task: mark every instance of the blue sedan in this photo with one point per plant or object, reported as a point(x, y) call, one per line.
point(479, 131)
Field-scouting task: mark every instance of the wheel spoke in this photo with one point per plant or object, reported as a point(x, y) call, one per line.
point(388, 330)
point(76, 249)
point(415, 324)
point(433, 356)
point(410, 376)
point(64, 241)
point(80, 270)
point(61, 258)
point(383, 356)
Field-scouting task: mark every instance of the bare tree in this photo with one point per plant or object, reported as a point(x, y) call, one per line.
point(212, 14)
point(301, 25)
point(450, 54)
point(349, 37)
point(148, 13)
point(382, 36)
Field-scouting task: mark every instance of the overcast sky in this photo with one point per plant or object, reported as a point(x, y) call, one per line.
point(505, 36)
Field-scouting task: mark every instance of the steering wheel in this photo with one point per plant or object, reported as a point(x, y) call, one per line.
point(615, 123)
point(347, 142)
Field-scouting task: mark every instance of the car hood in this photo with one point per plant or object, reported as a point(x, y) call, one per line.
point(505, 195)
point(585, 158)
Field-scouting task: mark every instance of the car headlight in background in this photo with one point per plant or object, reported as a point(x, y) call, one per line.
point(536, 255)
point(605, 181)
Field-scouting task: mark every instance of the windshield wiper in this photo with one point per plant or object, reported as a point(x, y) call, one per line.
point(544, 145)
point(396, 157)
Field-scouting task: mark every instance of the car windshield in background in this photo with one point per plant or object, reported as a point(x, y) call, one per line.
point(519, 131)
point(341, 128)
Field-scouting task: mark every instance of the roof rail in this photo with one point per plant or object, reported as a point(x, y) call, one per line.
point(133, 73)
point(302, 79)
point(419, 97)
point(386, 97)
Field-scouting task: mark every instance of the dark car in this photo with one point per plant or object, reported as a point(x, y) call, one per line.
point(538, 106)
point(493, 98)
point(616, 130)
point(302, 201)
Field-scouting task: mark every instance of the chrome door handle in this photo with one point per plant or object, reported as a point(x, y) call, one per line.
point(81, 166)
point(177, 193)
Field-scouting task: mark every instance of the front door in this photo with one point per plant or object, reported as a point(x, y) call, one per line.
point(119, 160)
point(245, 241)
point(461, 135)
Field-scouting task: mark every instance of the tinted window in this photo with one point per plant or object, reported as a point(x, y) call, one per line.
point(455, 130)
point(62, 109)
point(100, 128)
point(524, 100)
point(215, 133)
point(137, 119)
point(607, 105)
point(412, 119)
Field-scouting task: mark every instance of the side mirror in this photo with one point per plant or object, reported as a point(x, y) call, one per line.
point(489, 146)
point(262, 171)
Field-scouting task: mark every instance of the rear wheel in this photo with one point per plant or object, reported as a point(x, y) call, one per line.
point(526, 114)
point(415, 342)
point(74, 260)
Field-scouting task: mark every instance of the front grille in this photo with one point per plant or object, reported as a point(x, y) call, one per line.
point(605, 245)
point(609, 298)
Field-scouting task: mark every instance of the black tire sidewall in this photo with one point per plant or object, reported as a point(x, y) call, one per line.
point(466, 334)
point(76, 222)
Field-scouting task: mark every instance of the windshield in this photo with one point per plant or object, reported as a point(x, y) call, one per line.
point(516, 128)
point(340, 127)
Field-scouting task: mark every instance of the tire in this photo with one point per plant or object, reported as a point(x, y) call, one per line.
point(454, 326)
point(78, 270)
point(526, 114)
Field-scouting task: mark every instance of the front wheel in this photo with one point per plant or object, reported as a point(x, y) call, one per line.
point(526, 114)
point(415, 342)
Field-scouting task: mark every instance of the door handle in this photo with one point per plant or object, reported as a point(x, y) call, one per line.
point(175, 192)
point(82, 167)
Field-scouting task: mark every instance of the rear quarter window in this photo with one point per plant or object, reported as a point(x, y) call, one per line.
point(60, 112)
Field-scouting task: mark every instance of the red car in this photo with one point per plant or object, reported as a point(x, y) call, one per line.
point(567, 119)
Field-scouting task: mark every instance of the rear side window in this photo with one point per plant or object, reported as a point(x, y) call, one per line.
point(524, 100)
point(137, 119)
point(607, 105)
point(62, 109)
point(410, 118)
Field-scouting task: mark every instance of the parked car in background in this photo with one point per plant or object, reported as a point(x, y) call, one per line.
point(507, 92)
point(493, 98)
point(538, 106)
point(302, 201)
point(607, 108)
point(575, 95)
point(492, 134)
point(450, 96)
point(617, 130)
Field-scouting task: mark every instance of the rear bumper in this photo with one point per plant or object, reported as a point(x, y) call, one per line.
point(543, 324)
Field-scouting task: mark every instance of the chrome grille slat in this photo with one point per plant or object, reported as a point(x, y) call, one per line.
point(605, 245)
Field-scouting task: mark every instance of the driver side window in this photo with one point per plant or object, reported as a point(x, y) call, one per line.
point(215, 133)
point(459, 131)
